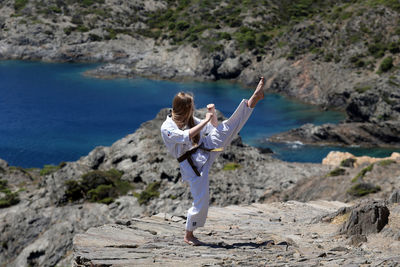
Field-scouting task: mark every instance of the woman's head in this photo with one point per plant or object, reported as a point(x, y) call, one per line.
point(182, 111)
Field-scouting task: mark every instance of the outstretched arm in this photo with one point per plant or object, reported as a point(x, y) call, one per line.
point(196, 129)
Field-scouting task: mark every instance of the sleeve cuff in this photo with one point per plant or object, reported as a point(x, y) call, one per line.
point(186, 137)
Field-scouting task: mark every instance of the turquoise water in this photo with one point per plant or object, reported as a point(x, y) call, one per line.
point(51, 113)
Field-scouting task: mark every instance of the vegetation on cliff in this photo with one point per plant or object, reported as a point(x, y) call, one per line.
point(258, 26)
point(7, 197)
point(97, 186)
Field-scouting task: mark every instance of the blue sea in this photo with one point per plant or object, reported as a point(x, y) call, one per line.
point(51, 112)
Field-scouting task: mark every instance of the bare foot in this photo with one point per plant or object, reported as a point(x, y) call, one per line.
point(258, 94)
point(193, 241)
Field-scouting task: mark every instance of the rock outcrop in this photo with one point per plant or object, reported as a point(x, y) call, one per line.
point(337, 158)
point(277, 234)
point(366, 218)
point(384, 134)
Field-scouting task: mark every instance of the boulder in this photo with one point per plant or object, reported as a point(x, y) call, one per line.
point(369, 217)
point(362, 108)
point(3, 165)
point(232, 67)
point(335, 158)
point(395, 197)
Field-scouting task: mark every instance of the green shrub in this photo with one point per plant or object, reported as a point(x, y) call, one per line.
point(246, 38)
point(362, 189)
point(377, 49)
point(55, 9)
point(346, 15)
point(82, 28)
point(394, 47)
point(20, 4)
point(386, 65)
point(97, 186)
point(10, 198)
point(357, 61)
point(102, 192)
point(362, 173)
point(262, 39)
point(3, 185)
point(337, 171)
point(182, 25)
point(386, 162)
point(74, 190)
point(149, 193)
point(68, 30)
point(348, 162)
point(94, 37)
point(112, 34)
point(231, 166)
point(362, 89)
point(225, 35)
point(328, 57)
point(48, 169)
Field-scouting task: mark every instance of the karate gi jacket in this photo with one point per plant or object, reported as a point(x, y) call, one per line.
point(178, 142)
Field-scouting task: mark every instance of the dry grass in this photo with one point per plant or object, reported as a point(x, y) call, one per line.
point(340, 219)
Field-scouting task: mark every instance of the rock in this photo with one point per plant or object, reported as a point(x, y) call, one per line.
point(265, 150)
point(362, 108)
point(385, 134)
point(395, 197)
point(3, 164)
point(232, 67)
point(111, 71)
point(356, 240)
point(369, 217)
point(336, 158)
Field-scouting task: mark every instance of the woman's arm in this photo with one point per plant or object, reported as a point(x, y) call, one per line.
point(196, 129)
point(214, 119)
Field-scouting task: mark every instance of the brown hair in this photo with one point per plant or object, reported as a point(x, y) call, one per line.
point(182, 112)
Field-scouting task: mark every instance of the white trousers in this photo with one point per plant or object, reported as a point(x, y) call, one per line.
point(220, 136)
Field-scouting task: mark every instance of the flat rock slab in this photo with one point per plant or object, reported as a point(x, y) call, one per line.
point(275, 234)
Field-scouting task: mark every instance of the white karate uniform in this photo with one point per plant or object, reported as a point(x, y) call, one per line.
point(178, 142)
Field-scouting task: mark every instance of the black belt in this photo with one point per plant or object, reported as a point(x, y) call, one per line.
point(188, 156)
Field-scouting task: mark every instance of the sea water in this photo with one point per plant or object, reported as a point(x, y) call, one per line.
point(51, 113)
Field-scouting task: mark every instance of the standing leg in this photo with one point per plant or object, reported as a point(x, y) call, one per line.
point(197, 214)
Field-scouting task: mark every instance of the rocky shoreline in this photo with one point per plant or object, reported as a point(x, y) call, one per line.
point(319, 65)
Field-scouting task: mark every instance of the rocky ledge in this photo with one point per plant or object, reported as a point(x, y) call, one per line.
point(382, 134)
point(275, 234)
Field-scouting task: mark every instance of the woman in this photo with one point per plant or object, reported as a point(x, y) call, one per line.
point(195, 144)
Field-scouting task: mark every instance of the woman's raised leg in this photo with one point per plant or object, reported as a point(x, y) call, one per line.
point(223, 134)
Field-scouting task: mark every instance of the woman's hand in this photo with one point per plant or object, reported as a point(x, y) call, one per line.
point(214, 119)
point(196, 129)
point(209, 116)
